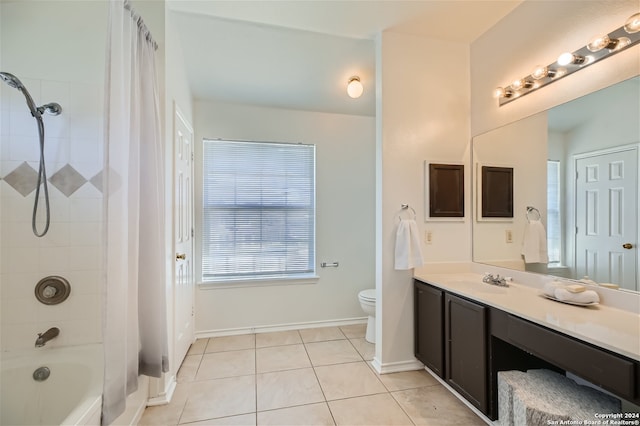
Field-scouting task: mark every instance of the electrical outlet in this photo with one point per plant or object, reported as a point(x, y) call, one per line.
point(508, 236)
point(428, 237)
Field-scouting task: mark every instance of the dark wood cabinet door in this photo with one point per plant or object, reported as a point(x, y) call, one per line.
point(429, 334)
point(466, 349)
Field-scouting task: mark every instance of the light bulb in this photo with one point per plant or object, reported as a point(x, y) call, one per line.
point(540, 72)
point(518, 84)
point(622, 42)
point(601, 42)
point(499, 92)
point(559, 72)
point(569, 58)
point(633, 24)
point(354, 87)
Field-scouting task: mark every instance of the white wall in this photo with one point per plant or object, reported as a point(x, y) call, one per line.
point(422, 114)
point(345, 152)
point(57, 49)
point(536, 32)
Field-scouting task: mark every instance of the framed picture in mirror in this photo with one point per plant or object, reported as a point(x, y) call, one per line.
point(444, 192)
point(496, 195)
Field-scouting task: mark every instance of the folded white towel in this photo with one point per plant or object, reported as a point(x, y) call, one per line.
point(408, 250)
point(534, 244)
point(550, 288)
point(588, 296)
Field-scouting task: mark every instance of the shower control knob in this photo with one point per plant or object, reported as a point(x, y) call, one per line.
point(49, 292)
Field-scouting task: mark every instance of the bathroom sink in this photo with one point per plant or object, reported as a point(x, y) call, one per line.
point(480, 287)
point(493, 289)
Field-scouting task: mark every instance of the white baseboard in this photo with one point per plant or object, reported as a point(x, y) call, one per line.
point(396, 367)
point(164, 397)
point(280, 327)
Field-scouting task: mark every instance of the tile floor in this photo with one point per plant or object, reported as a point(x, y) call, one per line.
point(318, 376)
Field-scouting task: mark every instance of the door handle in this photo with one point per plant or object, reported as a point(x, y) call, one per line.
point(627, 246)
point(181, 256)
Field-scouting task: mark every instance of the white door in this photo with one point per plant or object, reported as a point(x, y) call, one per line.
point(607, 217)
point(183, 286)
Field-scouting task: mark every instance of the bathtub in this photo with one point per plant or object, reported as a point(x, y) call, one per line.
point(72, 395)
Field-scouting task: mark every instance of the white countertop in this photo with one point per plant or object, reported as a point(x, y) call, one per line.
point(604, 326)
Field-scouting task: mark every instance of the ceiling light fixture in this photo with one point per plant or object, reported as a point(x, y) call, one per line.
point(354, 87)
point(569, 62)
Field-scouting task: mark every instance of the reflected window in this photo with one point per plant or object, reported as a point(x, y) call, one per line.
point(554, 214)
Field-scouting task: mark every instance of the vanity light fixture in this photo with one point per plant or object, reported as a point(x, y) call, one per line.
point(567, 63)
point(354, 87)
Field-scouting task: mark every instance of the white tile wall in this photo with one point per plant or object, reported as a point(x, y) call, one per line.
point(73, 246)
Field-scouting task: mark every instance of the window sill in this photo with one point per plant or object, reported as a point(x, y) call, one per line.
point(242, 283)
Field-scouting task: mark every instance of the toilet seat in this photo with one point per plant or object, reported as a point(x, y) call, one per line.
point(368, 295)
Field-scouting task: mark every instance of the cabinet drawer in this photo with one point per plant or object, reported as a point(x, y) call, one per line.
point(598, 366)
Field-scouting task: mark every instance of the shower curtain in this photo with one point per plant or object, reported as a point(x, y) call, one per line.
point(134, 323)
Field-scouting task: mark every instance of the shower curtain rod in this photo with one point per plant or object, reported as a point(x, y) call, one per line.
point(141, 24)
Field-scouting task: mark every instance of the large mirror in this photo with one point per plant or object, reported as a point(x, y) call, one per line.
point(575, 180)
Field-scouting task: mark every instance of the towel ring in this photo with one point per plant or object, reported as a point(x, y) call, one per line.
point(531, 210)
point(406, 207)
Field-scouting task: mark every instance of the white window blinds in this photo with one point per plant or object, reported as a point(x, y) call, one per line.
point(554, 213)
point(259, 210)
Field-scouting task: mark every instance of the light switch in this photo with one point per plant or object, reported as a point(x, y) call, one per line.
point(508, 236)
point(428, 237)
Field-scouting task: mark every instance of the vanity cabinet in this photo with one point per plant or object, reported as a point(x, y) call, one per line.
point(466, 349)
point(467, 343)
point(429, 327)
point(450, 339)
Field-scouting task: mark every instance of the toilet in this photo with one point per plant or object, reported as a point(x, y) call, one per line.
point(368, 302)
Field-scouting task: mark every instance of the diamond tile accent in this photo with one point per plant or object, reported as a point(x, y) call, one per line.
point(67, 180)
point(23, 179)
point(98, 181)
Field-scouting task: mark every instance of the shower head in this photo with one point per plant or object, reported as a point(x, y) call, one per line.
point(11, 80)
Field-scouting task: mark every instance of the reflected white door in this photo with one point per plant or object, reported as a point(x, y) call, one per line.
point(607, 218)
point(183, 286)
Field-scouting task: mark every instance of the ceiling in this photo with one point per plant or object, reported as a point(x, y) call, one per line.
point(299, 54)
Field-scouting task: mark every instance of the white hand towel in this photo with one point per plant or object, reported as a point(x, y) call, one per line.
point(550, 288)
point(534, 244)
point(588, 296)
point(408, 250)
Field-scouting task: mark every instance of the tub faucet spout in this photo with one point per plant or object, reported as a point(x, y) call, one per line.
point(43, 338)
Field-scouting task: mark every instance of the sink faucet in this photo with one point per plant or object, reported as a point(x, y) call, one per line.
point(43, 338)
point(497, 280)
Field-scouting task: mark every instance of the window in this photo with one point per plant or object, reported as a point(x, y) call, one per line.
point(258, 210)
point(554, 225)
